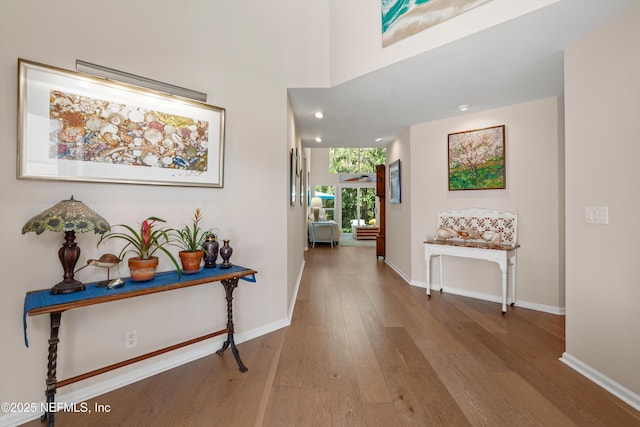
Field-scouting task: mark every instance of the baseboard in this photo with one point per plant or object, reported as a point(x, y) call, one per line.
point(603, 381)
point(398, 271)
point(89, 392)
point(493, 298)
point(292, 303)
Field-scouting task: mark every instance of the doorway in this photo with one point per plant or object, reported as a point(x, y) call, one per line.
point(358, 207)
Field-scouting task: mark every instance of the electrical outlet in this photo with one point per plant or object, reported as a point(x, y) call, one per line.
point(130, 339)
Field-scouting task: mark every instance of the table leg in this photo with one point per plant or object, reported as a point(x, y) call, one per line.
point(441, 265)
point(513, 280)
point(504, 287)
point(52, 363)
point(229, 286)
point(429, 276)
point(331, 235)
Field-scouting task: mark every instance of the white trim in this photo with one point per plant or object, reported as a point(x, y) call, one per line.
point(602, 380)
point(492, 298)
point(146, 371)
point(397, 270)
point(292, 304)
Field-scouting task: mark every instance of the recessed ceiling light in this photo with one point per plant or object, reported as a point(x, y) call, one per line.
point(318, 139)
point(319, 115)
point(463, 107)
point(378, 139)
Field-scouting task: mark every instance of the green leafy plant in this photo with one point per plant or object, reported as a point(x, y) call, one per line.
point(145, 242)
point(190, 237)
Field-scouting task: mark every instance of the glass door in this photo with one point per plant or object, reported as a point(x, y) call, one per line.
point(358, 207)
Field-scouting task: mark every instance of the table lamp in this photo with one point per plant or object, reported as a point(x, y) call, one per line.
point(68, 216)
point(316, 204)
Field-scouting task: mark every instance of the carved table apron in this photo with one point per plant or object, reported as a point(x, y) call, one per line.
point(504, 256)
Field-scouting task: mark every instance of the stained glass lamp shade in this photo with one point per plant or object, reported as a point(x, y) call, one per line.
point(68, 216)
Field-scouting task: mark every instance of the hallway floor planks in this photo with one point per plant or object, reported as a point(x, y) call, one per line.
point(366, 349)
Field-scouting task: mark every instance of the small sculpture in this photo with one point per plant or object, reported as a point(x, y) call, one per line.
point(225, 254)
point(106, 261)
point(211, 247)
point(446, 233)
point(493, 237)
point(469, 234)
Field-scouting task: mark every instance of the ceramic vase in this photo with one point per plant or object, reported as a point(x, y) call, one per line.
point(225, 254)
point(211, 247)
point(143, 270)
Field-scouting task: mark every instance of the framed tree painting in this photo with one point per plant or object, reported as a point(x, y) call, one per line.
point(477, 159)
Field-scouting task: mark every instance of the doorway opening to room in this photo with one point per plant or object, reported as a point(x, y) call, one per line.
point(358, 207)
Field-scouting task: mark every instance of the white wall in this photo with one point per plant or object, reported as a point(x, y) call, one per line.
point(533, 173)
point(357, 52)
point(240, 53)
point(296, 214)
point(320, 169)
point(398, 215)
point(602, 151)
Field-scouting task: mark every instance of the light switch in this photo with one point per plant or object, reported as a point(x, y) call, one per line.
point(596, 215)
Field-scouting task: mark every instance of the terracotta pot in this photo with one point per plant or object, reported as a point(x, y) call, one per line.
point(143, 270)
point(191, 260)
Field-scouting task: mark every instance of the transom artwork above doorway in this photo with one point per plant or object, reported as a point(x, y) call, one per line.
point(349, 178)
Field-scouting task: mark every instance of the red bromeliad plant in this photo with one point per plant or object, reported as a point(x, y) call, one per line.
point(190, 237)
point(143, 243)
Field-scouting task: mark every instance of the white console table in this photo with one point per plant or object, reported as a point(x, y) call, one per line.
point(485, 234)
point(317, 224)
point(504, 256)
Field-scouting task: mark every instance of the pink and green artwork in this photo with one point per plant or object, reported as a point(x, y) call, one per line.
point(477, 159)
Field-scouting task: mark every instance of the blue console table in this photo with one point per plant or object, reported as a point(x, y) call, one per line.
point(42, 302)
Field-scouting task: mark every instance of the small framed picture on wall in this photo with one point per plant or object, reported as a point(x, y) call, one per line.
point(394, 182)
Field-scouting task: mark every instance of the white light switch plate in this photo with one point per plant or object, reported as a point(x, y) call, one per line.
point(596, 215)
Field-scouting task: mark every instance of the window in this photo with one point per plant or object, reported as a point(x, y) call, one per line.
point(356, 160)
point(326, 193)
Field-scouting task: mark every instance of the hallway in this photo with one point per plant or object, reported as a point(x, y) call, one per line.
point(364, 349)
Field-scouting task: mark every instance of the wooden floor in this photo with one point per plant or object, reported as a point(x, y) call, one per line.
point(367, 349)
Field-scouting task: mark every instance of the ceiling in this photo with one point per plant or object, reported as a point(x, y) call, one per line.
point(518, 61)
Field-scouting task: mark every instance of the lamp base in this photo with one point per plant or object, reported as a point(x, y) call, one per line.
point(68, 255)
point(67, 287)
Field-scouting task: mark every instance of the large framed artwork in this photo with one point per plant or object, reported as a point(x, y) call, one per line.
point(477, 159)
point(76, 127)
point(404, 18)
point(395, 195)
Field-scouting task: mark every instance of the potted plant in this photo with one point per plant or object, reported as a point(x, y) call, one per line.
point(190, 239)
point(144, 243)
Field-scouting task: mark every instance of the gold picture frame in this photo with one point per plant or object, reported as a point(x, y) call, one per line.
point(77, 127)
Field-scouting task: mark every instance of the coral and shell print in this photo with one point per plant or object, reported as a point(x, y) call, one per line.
point(93, 130)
